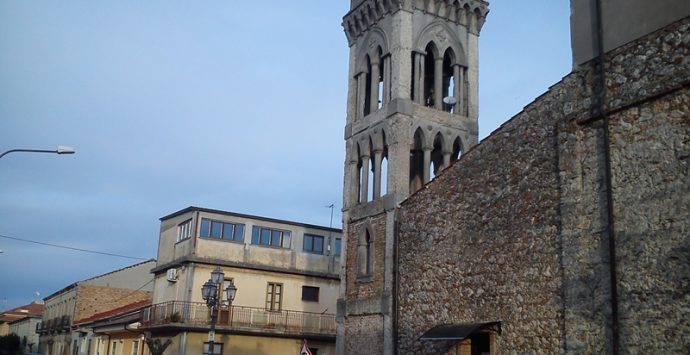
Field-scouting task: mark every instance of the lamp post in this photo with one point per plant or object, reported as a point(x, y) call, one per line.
point(210, 294)
point(59, 150)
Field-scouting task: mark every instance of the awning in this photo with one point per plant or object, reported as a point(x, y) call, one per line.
point(459, 331)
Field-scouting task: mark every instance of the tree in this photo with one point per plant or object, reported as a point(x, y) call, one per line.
point(10, 345)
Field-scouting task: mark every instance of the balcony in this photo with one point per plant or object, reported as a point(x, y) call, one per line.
point(238, 319)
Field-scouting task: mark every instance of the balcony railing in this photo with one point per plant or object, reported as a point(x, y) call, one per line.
point(196, 314)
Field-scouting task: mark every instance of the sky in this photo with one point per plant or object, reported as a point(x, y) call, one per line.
point(230, 105)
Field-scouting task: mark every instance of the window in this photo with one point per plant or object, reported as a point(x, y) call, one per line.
point(313, 243)
point(221, 230)
point(217, 349)
point(338, 247)
point(184, 230)
point(310, 293)
point(274, 295)
point(135, 347)
point(271, 237)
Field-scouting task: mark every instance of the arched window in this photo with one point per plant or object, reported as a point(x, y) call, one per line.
point(437, 155)
point(457, 150)
point(417, 161)
point(428, 79)
point(365, 254)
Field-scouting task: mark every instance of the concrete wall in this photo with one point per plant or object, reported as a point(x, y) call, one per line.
point(244, 252)
point(515, 231)
point(624, 21)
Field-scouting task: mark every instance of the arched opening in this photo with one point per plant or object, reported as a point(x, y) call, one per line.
point(417, 161)
point(379, 79)
point(457, 150)
point(371, 172)
point(369, 253)
point(448, 78)
point(365, 254)
point(359, 175)
point(384, 166)
point(428, 79)
point(437, 155)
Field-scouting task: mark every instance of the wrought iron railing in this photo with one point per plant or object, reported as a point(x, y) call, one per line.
point(197, 314)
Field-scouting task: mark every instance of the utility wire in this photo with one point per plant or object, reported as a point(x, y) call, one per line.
point(72, 248)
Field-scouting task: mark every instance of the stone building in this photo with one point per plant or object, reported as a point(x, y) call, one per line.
point(411, 111)
point(286, 274)
point(564, 231)
point(58, 332)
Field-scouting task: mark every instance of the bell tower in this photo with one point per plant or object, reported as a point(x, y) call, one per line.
point(412, 109)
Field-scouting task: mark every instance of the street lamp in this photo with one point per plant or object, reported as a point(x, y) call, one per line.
point(210, 294)
point(59, 150)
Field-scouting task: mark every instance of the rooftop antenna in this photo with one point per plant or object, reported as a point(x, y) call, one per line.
point(330, 226)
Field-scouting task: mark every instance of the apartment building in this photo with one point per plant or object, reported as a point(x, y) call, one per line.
point(286, 274)
point(58, 330)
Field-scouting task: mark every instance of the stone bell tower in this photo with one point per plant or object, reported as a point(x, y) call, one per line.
point(411, 111)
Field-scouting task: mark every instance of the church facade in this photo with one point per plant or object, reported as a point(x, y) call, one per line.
point(564, 231)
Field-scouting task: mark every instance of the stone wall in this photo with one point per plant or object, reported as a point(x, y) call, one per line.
point(480, 243)
point(516, 230)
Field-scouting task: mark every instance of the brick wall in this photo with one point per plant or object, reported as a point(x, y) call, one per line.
point(516, 230)
point(95, 299)
point(374, 286)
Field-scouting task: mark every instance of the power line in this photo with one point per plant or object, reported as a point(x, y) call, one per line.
point(72, 248)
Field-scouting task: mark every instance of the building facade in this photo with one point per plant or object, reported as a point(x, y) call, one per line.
point(286, 274)
point(412, 109)
point(564, 231)
point(82, 299)
point(115, 332)
point(22, 321)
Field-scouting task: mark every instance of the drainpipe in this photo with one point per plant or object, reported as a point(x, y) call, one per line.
point(601, 100)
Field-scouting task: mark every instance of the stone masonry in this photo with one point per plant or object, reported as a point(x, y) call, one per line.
point(515, 231)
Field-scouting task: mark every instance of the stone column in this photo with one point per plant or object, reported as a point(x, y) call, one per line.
point(364, 178)
point(386, 79)
point(438, 83)
point(361, 92)
point(427, 165)
point(354, 189)
point(422, 74)
point(377, 174)
point(416, 79)
point(458, 91)
point(374, 82)
point(446, 159)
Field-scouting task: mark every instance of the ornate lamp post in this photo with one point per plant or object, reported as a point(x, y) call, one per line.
point(210, 294)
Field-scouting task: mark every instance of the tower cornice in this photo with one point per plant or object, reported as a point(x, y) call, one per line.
point(470, 13)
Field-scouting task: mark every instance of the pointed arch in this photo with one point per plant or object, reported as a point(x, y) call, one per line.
point(457, 149)
point(417, 160)
point(384, 165)
point(437, 154)
point(365, 252)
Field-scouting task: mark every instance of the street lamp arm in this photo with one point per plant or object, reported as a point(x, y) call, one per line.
point(59, 150)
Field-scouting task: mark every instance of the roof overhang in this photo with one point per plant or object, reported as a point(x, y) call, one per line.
point(458, 332)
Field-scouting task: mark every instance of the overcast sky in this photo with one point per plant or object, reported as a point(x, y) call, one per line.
point(231, 105)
